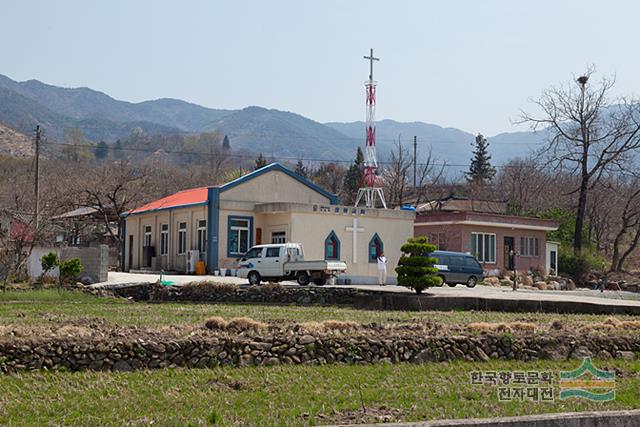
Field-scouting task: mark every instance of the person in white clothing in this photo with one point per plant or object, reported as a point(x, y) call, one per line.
point(382, 269)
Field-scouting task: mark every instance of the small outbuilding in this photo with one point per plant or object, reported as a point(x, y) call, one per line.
point(483, 229)
point(218, 224)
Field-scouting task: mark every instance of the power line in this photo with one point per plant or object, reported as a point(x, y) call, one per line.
point(242, 156)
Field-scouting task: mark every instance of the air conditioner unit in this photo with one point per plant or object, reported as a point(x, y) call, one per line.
point(193, 256)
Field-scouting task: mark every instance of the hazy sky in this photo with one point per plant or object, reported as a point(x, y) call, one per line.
point(466, 64)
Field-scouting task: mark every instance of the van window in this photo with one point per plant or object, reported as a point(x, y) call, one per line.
point(471, 262)
point(273, 252)
point(254, 253)
point(455, 261)
point(442, 260)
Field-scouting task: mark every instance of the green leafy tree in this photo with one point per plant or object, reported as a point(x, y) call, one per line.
point(415, 268)
point(481, 171)
point(301, 169)
point(353, 178)
point(101, 151)
point(260, 162)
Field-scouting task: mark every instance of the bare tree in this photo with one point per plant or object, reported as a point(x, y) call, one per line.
point(115, 189)
point(395, 175)
point(430, 173)
point(625, 228)
point(330, 176)
point(588, 134)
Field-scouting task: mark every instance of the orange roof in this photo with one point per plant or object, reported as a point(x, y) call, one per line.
point(193, 196)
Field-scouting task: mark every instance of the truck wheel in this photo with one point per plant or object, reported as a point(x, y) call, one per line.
point(254, 278)
point(319, 282)
point(303, 278)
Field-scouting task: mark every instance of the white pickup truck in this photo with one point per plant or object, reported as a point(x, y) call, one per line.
point(285, 261)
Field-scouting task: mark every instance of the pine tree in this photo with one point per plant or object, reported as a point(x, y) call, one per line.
point(301, 169)
point(481, 171)
point(416, 265)
point(353, 178)
point(260, 162)
point(118, 152)
point(225, 143)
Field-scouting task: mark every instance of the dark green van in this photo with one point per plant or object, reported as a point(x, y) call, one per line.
point(458, 268)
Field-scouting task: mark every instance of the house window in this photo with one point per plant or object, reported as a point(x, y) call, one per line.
point(202, 236)
point(182, 238)
point(147, 236)
point(332, 247)
point(530, 246)
point(164, 239)
point(239, 235)
point(279, 237)
point(483, 247)
point(376, 247)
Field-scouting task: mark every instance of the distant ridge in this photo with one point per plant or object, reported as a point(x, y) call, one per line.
point(253, 129)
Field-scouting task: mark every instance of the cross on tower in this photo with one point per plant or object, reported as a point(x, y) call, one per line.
point(371, 58)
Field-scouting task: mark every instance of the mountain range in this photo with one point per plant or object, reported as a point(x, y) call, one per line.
point(275, 133)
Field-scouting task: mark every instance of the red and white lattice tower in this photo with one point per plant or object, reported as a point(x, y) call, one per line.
point(371, 189)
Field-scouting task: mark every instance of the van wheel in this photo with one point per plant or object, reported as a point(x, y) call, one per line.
point(254, 278)
point(303, 278)
point(472, 282)
point(442, 279)
point(319, 282)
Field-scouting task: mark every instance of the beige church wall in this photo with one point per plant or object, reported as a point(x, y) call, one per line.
point(171, 261)
point(311, 229)
point(273, 186)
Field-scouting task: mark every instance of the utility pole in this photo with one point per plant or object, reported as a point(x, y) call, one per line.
point(37, 178)
point(415, 157)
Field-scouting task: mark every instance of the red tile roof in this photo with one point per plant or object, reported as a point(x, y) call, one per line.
point(192, 196)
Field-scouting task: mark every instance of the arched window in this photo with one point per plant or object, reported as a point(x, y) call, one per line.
point(332, 246)
point(376, 247)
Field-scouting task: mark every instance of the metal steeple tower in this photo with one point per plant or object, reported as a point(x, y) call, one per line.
point(371, 183)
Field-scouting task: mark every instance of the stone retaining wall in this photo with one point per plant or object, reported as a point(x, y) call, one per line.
point(215, 292)
point(240, 350)
point(365, 299)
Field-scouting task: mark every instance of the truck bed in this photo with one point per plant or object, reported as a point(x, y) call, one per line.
point(315, 265)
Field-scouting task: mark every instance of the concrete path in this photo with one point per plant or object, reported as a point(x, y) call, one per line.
point(620, 298)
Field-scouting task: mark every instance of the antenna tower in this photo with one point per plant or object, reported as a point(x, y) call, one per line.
point(371, 189)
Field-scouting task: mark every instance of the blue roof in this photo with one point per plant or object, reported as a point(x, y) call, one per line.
point(278, 167)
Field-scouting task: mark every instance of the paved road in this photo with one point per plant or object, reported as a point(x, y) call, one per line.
point(582, 295)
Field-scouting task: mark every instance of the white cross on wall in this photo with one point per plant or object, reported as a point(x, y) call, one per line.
point(354, 229)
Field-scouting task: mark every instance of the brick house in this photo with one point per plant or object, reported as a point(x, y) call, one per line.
point(498, 241)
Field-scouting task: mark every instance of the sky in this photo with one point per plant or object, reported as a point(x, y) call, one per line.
point(473, 65)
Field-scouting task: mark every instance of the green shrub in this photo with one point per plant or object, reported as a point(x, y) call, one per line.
point(69, 269)
point(578, 267)
point(415, 268)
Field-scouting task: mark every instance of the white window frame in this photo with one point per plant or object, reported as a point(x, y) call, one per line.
point(278, 237)
point(238, 229)
point(201, 234)
point(164, 239)
point(182, 238)
point(147, 236)
point(531, 246)
point(481, 256)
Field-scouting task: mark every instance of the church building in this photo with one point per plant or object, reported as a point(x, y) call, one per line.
point(270, 205)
